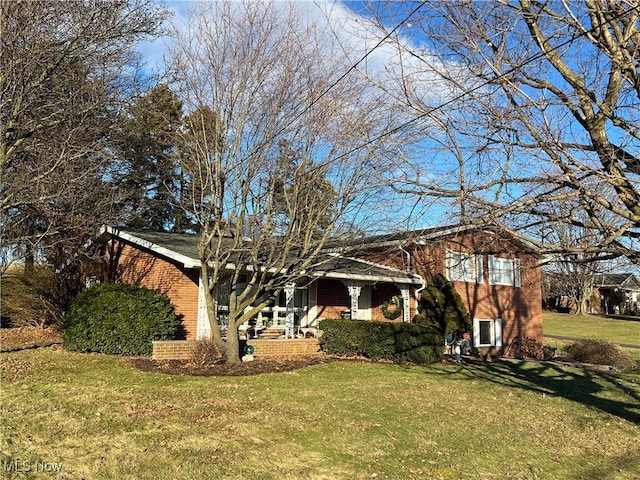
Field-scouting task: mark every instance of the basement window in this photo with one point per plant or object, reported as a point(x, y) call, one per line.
point(487, 332)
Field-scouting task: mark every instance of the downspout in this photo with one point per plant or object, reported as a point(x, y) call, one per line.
point(419, 290)
point(408, 264)
point(408, 268)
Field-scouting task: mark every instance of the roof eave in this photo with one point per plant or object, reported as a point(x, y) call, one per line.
point(368, 278)
point(185, 260)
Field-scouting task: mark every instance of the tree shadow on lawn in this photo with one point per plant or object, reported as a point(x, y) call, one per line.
point(611, 469)
point(576, 384)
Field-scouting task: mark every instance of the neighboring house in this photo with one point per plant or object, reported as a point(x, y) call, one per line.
point(619, 293)
point(497, 277)
point(614, 293)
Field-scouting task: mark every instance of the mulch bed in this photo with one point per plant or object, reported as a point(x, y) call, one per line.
point(183, 367)
point(23, 338)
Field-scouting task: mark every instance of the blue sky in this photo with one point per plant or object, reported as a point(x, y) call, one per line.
point(361, 37)
point(349, 16)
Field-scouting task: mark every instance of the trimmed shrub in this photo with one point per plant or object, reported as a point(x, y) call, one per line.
point(119, 319)
point(599, 352)
point(398, 342)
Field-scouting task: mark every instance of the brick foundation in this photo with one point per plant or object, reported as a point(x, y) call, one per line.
point(182, 349)
point(172, 349)
point(299, 347)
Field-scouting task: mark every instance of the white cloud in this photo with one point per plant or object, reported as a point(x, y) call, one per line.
point(345, 30)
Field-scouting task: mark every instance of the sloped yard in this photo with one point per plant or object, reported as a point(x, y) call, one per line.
point(620, 330)
point(101, 418)
point(13, 339)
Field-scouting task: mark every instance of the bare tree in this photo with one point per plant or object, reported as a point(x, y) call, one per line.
point(572, 275)
point(537, 107)
point(65, 68)
point(270, 149)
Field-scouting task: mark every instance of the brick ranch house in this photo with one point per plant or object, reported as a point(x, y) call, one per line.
point(497, 277)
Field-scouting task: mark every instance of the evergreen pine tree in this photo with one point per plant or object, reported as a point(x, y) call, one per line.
point(151, 173)
point(442, 307)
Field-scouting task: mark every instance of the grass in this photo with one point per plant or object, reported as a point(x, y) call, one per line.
point(344, 420)
point(617, 330)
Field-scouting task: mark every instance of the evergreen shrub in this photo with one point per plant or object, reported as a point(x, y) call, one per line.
point(118, 319)
point(442, 308)
point(395, 341)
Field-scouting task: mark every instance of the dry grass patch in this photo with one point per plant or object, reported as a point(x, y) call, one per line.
point(20, 338)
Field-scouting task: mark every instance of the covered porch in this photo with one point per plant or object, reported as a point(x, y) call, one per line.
point(339, 288)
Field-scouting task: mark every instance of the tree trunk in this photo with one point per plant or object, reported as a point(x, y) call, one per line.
point(211, 311)
point(581, 306)
point(583, 300)
point(232, 346)
point(29, 263)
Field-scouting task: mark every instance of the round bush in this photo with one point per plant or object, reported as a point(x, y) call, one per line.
point(118, 319)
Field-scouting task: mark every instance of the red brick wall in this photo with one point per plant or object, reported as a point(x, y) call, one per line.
point(333, 298)
point(519, 308)
point(380, 293)
point(179, 284)
point(172, 350)
point(284, 348)
point(182, 350)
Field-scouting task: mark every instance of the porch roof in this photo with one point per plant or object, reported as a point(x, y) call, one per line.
point(617, 280)
point(183, 248)
point(348, 268)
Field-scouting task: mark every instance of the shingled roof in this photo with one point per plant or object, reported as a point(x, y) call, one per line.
point(617, 280)
point(183, 248)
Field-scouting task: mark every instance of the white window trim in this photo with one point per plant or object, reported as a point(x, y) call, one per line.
point(513, 269)
point(495, 332)
point(454, 259)
point(479, 270)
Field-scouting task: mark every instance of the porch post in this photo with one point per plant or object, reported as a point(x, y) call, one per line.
point(289, 293)
point(203, 328)
point(406, 304)
point(354, 288)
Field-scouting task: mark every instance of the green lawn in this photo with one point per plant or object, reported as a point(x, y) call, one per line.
point(617, 330)
point(101, 419)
